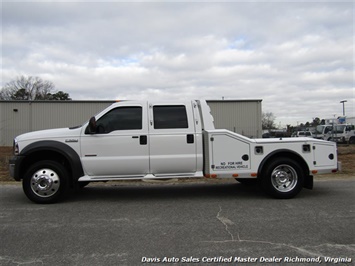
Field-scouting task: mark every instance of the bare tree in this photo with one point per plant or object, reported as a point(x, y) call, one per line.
point(31, 88)
point(268, 120)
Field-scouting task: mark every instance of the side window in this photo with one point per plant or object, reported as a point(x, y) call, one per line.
point(170, 116)
point(121, 118)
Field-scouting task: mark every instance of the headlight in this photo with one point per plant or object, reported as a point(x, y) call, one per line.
point(16, 149)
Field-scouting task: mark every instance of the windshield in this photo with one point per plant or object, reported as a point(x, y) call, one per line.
point(340, 128)
point(319, 129)
point(322, 129)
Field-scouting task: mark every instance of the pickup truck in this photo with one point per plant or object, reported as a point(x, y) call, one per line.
point(141, 140)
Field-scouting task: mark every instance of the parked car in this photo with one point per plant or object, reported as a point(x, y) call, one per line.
point(302, 134)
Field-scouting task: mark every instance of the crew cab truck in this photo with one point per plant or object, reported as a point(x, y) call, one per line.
point(141, 140)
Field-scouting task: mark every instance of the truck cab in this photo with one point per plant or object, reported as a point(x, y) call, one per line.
point(345, 133)
point(142, 140)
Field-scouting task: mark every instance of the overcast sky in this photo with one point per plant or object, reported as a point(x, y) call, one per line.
point(298, 57)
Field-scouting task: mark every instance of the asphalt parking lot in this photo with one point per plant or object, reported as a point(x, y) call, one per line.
point(180, 224)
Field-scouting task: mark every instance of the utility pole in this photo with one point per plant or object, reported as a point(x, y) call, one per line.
point(343, 102)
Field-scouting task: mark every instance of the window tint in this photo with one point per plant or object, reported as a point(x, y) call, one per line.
point(121, 118)
point(170, 116)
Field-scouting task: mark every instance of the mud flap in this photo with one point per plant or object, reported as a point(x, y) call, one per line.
point(308, 182)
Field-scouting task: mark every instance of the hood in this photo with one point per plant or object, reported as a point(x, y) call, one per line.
point(50, 134)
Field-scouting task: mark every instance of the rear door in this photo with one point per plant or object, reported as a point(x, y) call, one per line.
point(172, 139)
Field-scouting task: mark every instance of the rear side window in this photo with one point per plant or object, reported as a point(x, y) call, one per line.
point(170, 116)
point(121, 118)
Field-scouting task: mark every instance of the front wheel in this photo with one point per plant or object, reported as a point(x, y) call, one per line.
point(283, 178)
point(45, 182)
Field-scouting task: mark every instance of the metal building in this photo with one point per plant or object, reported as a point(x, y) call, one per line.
point(17, 117)
point(240, 116)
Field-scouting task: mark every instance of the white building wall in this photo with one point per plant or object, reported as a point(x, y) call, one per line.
point(350, 120)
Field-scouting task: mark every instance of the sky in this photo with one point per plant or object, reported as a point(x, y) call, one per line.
point(296, 56)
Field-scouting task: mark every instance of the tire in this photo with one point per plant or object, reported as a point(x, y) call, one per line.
point(352, 140)
point(45, 182)
point(282, 178)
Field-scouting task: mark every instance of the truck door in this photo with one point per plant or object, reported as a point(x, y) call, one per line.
point(119, 147)
point(172, 139)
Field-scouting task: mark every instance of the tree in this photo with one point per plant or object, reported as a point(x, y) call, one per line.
point(268, 120)
point(31, 89)
point(60, 96)
point(316, 121)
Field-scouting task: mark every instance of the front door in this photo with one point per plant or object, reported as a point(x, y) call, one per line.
point(119, 147)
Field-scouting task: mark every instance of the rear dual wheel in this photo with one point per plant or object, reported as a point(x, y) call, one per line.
point(45, 182)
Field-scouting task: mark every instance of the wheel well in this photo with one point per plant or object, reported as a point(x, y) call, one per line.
point(283, 154)
point(41, 155)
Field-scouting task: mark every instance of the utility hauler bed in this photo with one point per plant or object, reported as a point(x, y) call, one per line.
point(281, 165)
point(137, 140)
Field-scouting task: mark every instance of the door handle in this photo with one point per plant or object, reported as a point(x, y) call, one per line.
point(143, 140)
point(190, 138)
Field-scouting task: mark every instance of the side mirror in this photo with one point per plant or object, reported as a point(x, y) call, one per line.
point(92, 125)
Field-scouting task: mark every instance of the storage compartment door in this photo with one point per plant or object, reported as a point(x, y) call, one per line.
point(230, 154)
point(324, 155)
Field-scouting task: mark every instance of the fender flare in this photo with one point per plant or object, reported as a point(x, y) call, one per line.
point(308, 182)
point(61, 148)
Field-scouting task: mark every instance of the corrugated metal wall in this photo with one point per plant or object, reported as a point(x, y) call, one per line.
point(17, 117)
point(14, 117)
point(240, 116)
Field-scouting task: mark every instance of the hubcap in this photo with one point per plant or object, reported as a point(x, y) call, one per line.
point(284, 178)
point(45, 183)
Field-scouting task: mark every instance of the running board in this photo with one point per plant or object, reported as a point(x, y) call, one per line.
point(87, 178)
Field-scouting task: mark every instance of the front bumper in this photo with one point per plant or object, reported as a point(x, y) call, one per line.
point(14, 167)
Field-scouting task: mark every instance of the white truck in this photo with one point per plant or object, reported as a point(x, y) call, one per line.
point(324, 132)
point(344, 133)
point(141, 140)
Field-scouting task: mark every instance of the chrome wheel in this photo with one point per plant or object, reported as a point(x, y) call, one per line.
point(284, 178)
point(45, 182)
